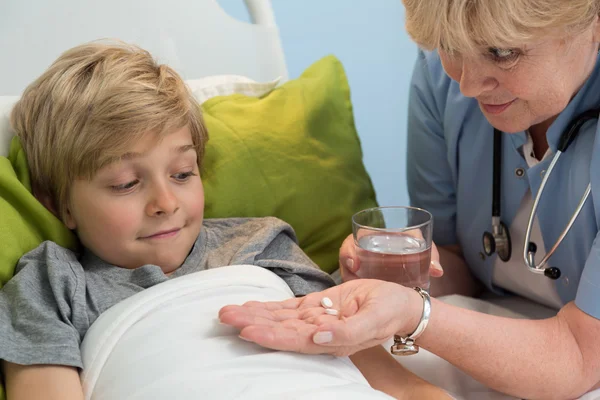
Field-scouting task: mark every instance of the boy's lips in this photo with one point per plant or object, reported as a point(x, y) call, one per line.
point(163, 234)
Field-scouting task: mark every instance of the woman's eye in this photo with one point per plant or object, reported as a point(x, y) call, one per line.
point(503, 55)
point(125, 186)
point(184, 176)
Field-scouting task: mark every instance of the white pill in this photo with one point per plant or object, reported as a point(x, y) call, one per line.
point(331, 311)
point(326, 302)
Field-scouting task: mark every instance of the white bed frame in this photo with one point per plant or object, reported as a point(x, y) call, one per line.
point(196, 37)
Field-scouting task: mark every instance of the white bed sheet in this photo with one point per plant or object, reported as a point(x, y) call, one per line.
point(166, 342)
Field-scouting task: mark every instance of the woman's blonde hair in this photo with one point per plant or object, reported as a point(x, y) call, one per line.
point(90, 106)
point(464, 26)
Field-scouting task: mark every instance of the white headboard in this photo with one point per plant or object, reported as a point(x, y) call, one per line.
point(196, 37)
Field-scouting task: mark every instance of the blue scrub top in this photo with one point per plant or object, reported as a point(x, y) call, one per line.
point(449, 166)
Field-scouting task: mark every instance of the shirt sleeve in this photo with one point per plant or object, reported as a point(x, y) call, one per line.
point(588, 291)
point(284, 257)
point(430, 182)
point(35, 313)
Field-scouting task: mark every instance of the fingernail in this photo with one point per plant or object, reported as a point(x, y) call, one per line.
point(243, 338)
point(322, 337)
point(350, 264)
point(435, 264)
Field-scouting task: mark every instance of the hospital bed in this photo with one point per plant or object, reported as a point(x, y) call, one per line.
point(218, 56)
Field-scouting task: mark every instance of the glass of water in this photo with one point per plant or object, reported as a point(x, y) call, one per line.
point(394, 244)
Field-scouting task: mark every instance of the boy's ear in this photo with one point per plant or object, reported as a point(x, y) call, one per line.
point(69, 221)
point(48, 202)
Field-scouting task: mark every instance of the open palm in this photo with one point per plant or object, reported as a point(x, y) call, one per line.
point(368, 315)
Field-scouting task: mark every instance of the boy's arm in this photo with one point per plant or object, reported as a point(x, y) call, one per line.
point(48, 382)
point(386, 374)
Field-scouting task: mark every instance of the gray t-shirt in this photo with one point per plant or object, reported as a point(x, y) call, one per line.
point(55, 296)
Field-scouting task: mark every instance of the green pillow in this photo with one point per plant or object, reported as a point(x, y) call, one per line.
point(292, 154)
point(24, 222)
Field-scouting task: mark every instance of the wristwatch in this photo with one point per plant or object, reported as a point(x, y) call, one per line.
point(405, 346)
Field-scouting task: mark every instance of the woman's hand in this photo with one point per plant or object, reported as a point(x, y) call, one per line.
point(370, 312)
point(350, 263)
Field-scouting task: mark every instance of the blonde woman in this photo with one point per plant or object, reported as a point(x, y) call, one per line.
point(525, 69)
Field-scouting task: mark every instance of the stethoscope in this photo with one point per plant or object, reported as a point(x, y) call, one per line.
point(498, 241)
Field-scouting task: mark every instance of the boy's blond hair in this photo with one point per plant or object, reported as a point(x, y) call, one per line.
point(464, 26)
point(90, 106)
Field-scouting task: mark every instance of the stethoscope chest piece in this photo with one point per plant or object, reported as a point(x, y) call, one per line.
point(498, 241)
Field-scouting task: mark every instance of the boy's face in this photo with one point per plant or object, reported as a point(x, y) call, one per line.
point(144, 209)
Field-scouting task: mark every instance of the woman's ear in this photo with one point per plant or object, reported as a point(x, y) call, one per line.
point(596, 29)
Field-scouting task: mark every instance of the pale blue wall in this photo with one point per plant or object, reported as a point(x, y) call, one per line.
point(368, 37)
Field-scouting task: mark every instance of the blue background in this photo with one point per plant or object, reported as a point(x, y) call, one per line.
point(368, 36)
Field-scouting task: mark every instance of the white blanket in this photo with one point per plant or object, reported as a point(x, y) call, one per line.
point(167, 343)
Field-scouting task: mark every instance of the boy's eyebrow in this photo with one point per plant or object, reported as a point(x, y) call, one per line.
point(184, 148)
point(130, 155)
point(180, 150)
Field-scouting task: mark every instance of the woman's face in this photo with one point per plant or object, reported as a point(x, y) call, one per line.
point(523, 87)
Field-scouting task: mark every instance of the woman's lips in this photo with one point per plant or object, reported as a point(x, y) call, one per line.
point(496, 108)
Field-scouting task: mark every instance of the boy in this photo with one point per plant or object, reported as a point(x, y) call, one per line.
point(114, 142)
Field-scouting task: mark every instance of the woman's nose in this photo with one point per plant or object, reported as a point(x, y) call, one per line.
point(162, 202)
point(474, 80)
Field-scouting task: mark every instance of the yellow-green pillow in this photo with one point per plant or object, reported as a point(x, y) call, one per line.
point(293, 154)
point(24, 221)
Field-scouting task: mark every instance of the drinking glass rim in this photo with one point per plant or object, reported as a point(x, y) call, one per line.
point(408, 228)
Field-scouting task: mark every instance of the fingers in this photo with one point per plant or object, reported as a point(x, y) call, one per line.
point(349, 262)
point(296, 338)
point(275, 315)
point(326, 335)
point(292, 303)
point(352, 334)
point(287, 335)
point(435, 269)
point(243, 316)
point(347, 275)
point(240, 318)
point(435, 254)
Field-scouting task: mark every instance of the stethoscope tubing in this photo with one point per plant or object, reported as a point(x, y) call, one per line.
point(528, 255)
point(498, 229)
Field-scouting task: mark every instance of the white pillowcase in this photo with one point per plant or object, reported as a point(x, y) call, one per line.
point(203, 89)
point(224, 85)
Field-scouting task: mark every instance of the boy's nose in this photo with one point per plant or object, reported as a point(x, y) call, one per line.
point(163, 202)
